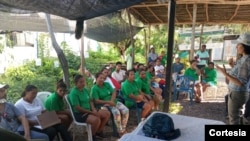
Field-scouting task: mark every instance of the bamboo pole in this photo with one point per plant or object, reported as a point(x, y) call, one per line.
point(191, 55)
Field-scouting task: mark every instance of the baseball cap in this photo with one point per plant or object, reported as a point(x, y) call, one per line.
point(151, 46)
point(6, 86)
point(244, 39)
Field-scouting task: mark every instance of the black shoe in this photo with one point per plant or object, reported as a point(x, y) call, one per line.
point(94, 138)
point(101, 135)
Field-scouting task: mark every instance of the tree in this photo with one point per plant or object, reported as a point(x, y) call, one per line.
point(122, 47)
point(59, 51)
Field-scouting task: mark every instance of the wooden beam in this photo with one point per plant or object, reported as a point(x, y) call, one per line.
point(155, 15)
point(207, 16)
point(146, 21)
point(239, 2)
point(190, 16)
point(148, 5)
point(235, 13)
point(211, 22)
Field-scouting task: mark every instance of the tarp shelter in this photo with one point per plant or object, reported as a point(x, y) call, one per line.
point(79, 10)
point(107, 28)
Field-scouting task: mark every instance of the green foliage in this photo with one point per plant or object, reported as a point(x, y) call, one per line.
point(43, 45)
point(9, 42)
point(1, 45)
point(17, 87)
point(19, 74)
point(159, 37)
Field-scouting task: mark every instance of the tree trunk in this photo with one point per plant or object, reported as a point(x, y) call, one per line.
point(59, 51)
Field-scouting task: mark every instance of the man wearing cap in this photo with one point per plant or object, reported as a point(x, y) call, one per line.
point(12, 120)
point(152, 56)
point(238, 79)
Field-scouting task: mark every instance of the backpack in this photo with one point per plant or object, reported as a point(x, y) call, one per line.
point(160, 126)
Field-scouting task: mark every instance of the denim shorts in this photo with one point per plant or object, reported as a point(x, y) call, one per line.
point(140, 104)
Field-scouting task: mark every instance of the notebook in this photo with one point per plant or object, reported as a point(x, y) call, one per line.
point(47, 119)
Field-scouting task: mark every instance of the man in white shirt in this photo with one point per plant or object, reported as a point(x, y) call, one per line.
point(159, 69)
point(129, 61)
point(118, 74)
point(203, 57)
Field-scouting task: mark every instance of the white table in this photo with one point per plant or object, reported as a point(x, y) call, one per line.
point(192, 128)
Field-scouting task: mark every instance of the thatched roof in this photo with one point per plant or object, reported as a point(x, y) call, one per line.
point(208, 11)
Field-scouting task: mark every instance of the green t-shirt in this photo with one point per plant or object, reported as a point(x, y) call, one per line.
point(143, 85)
point(164, 60)
point(80, 98)
point(54, 102)
point(137, 75)
point(149, 75)
point(211, 76)
point(191, 73)
point(102, 93)
point(129, 88)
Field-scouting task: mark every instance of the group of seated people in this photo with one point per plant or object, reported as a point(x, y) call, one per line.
point(208, 75)
point(94, 107)
point(21, 117)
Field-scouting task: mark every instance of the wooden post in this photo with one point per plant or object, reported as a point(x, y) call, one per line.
point(131, 37)
point(148, 45)
point(170, 46)
point(202, 26)
point(191, 56)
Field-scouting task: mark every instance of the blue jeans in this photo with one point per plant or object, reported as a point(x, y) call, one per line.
point(36, 135)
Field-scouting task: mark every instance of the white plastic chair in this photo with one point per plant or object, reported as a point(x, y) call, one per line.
point(88, 126)
point(43, 96)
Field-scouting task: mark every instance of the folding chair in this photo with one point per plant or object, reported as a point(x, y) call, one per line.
point(184, 84)
point(88, 126)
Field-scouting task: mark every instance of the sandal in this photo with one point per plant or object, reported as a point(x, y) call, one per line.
point(122, 133)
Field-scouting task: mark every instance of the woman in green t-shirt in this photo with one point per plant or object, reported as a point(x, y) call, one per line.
point(55, 102)
point(131, 90)
point(146, 89)
point(210, 76)
point(195, 73)
point(103, 94)
point(84, 109)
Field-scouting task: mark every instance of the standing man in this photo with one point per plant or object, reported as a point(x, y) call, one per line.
point(129, 60)
point(203, 57)
point(152, 56)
